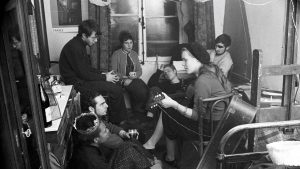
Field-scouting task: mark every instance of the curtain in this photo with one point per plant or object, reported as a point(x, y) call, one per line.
point(204, 23)
point(99, 53)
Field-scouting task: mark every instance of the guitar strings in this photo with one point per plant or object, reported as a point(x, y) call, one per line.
point(191, 130)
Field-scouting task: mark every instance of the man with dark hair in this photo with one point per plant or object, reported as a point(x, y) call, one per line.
point(75, 69)
point(220, 56)
point(92, 133)
point(98, 106)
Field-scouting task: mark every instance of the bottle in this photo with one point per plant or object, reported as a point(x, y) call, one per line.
point(45, 104)
point(56, 85)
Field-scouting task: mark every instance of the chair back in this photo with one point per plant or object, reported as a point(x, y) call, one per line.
point(212, 103)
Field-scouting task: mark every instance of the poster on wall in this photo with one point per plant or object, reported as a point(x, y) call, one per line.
point(67, 14)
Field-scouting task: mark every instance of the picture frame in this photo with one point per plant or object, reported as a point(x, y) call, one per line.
point(66, 15)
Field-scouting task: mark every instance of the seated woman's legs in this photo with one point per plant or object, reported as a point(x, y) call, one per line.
point(176, 126)
point(139, 93)
point(158, 132)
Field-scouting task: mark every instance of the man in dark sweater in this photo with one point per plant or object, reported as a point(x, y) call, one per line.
point(75, 69)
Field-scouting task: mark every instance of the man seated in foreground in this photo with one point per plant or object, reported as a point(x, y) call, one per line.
point(97, 105)
point(92, 133)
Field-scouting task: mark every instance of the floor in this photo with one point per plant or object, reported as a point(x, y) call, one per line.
point(189, 157)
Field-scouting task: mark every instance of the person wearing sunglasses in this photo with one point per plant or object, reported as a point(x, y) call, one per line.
point(76, 69)
point(220, 55)
point(89, 153)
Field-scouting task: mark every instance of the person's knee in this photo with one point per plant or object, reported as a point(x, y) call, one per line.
point(116, 91)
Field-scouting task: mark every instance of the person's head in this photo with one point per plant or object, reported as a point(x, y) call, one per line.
point(97, 104)
point(170, 72)
point(222, 44)
point(90, 129)
point(126, 41)
point(15, 38)
point(88, 31)
point(194, 56)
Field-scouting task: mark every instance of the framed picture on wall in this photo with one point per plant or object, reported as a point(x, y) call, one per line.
point(67, 14)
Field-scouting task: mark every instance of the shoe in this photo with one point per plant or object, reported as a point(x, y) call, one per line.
point(151, 151)
point(172, 163)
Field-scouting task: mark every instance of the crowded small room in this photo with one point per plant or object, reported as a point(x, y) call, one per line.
point(150, 84)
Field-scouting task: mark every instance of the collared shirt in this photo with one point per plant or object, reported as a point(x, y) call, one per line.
point(119, 62)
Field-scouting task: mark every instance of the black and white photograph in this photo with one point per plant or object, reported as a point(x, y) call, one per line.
point(150, 84)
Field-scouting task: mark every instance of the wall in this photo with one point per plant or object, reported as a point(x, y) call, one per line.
point(266, 23)
point(56, 39)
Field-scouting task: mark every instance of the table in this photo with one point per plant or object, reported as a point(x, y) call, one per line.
point(58, 135)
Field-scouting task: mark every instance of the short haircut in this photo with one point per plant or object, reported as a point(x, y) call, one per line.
point(88, 99)
point(124, 36)
point(87, 27)
point(223, 38)
point(170, 66)
point(87, 127)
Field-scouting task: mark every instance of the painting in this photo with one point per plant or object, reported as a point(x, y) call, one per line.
point(68, 13)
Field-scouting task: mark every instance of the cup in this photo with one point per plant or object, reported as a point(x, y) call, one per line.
point(133, 133)
point(132, 74)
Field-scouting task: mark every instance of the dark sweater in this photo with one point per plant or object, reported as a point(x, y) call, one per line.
point(74, 63)
point(88, 157)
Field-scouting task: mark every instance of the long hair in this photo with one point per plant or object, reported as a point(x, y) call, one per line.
point(216, 71)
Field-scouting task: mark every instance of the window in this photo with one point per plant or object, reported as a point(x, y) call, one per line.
point(154, 25)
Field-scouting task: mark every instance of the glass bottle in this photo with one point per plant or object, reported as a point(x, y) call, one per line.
point(56, 85)
point(45, 104)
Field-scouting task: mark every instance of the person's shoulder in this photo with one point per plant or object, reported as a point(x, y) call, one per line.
point(204, 78)
point(134, 53)
point(227, 54)
point(117, 52)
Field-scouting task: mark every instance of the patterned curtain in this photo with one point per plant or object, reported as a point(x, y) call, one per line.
point(99, 52)
point(204, 24)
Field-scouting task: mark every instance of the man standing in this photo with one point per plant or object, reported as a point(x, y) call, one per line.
point(75, 69)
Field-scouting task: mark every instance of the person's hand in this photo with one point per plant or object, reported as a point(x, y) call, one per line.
point(168, 102)
point(124, 134)
point(132, 75)
point(112, 77)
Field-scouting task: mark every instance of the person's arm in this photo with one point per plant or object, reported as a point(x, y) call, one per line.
point(79, 62)
point(137, 65)
point(113, 128)
point(226, 64)
point(185, 111)
point(114, 62)
point(202, 90)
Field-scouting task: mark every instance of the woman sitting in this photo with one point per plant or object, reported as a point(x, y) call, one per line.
point(125, 63)
point(180, 121)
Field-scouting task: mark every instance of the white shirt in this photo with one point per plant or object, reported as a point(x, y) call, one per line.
point(224, 61)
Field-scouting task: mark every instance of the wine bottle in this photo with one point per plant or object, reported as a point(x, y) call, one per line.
point(45, 103)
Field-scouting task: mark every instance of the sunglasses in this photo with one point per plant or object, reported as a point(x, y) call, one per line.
point(90, 129)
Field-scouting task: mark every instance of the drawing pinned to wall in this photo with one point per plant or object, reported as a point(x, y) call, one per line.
point(67, 14)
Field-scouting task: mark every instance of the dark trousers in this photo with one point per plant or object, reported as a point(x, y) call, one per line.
point(173, 123)
point(139, 93)
point(117, 109)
